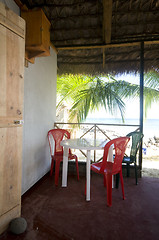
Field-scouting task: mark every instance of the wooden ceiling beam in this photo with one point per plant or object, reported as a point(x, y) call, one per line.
point(151, 42)
point(109, 45)
point(99, 46)
point(107, 24)
point(107, 20)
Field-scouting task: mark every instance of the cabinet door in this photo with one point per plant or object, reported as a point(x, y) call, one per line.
point(11, 113)
point(10, 168)
point(11, 75)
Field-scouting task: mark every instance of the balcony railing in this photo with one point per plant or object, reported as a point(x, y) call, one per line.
point(97, 130)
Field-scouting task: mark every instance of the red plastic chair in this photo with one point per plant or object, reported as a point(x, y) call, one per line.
point(56, 151)
point(108, 169)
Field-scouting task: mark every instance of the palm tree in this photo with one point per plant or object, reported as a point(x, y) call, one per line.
point(83, 94)
point(151, 90)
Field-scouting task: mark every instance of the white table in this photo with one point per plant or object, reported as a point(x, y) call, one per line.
point(82, 144)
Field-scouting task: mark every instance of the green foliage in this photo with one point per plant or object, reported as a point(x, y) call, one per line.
point(87, 93)
point(83, 94)
point(151, 79)
point(97, 94)
point(151, 89)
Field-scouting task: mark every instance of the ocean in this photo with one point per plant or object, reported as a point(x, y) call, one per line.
point(150, 126)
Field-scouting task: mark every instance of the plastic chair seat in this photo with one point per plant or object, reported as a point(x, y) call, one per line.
point(127, 160)
point(60, 157)
point(96, 167)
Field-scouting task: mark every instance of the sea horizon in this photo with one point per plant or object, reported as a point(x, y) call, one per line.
point(150, 126)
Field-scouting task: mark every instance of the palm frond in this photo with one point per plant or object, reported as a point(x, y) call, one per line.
point(98, 94)
point(87, 93)
point(152, 79)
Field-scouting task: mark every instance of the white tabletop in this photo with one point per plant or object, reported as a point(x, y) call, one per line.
point(84, 143)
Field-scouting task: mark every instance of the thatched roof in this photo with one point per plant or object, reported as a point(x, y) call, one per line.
point(102, 36)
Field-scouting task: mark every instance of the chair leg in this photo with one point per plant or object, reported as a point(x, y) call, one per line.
point(109, 189)
point(117, 180)
point(57, 168)
point(128, 169)
point(77, 169)
point(104, 181)
point(122, 184)
point(136, 173)
point(52, 166)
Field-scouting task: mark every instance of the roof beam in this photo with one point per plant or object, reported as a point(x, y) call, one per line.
point(109, 45)
point(99, 46)
point(107, 23)
point(110, 62)
point(107, 20)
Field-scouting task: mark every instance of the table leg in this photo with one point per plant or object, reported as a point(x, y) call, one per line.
point(65, 167)
point(88, 175)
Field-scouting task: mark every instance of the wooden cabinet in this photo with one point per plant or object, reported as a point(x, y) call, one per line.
point(37, 33)
point(12, 48)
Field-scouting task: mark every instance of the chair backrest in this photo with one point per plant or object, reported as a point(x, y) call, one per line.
point(136, 142)
point(119, 145)
point(58, 135)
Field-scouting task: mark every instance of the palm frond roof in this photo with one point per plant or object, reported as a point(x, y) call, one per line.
point(95, 36)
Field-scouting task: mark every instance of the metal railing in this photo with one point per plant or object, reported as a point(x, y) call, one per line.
point(108, 131)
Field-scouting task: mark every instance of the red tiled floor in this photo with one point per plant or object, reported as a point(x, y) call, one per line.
point(63, 214)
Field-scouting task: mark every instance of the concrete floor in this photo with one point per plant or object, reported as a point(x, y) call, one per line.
point(56, 213)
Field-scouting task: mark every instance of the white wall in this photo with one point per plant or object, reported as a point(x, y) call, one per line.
point(39, 117)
